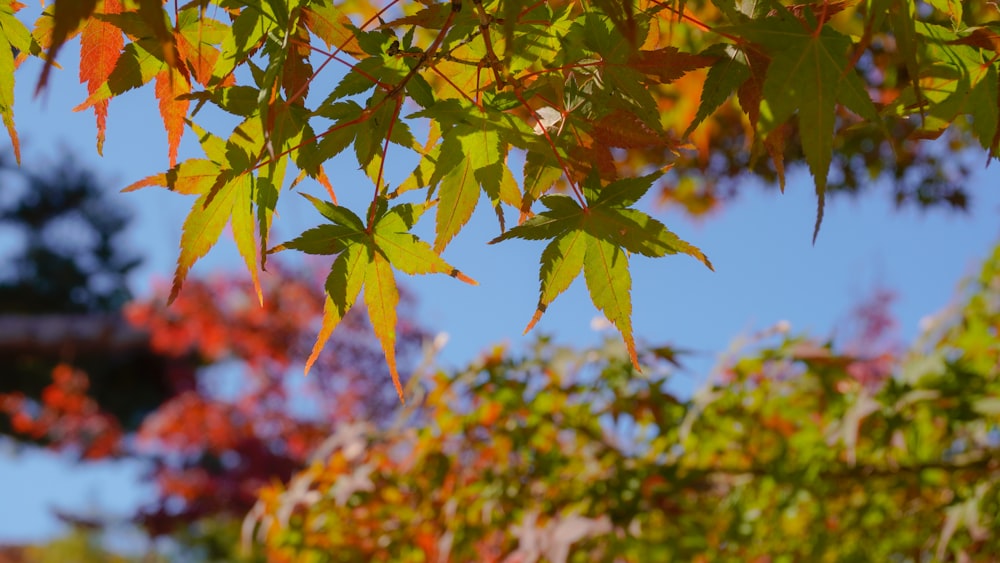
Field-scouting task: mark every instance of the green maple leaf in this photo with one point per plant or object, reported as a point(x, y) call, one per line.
point(808, 75)
point(343, 284)
point(366, 258)
point(962, 79)
point(14, 36)
point(224, 194)
point(472, 158)
point(598, 239)
point(406, 251)
point(722, 81)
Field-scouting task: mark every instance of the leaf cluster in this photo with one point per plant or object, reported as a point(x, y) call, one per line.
point(595, 98)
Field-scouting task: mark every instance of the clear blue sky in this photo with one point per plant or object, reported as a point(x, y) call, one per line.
point(766, 270)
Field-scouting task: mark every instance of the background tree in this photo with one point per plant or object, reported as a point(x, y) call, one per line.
point(214, 444)
point(71, 258)
point(795, 449)
point(59, 301)
point(233, 419)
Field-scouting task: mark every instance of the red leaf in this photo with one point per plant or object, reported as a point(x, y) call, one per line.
point(750, 93)
point(172, 109)
point(297, 72)
point(100, 47)
point(667, 64)
point(625, 130)
point(67, 16)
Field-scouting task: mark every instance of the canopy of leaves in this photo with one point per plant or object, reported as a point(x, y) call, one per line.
point(795, 449)
point(590, 96)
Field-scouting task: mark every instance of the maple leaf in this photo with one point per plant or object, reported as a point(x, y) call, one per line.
point(187, 178)
point(597, 239)
point(623, 129)
point(472, 158)
point(469, 160)
point(381, 298)
point(14, 36)
point(347, 275)
point(725, 77)
point(152, 13)
point(332, 25)
point(808, 75)
point(196, 37)
point(135, 67)
point(101, 45)
point(170, 87)
point(366, 257)
point(962, 80)
point(67, 16)
point(223, 193)
point(667, 64)
point(297, 71)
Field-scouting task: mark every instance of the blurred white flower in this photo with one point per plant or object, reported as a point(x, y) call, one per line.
point(600, 323)
point(440, 340)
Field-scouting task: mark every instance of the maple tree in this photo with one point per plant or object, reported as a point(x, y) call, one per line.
point(213, 449)
point(209, 447)
point(599, 100)
point(795, 449)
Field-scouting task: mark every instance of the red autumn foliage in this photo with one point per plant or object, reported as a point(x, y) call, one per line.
point(214, 446)
point(240, 414)
point(66, 417)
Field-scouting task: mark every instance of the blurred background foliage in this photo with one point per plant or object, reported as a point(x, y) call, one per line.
point(797, 450)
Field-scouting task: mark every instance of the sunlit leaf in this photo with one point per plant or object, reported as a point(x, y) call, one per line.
point(101, 45)
point(382, 298)
point(347, 275)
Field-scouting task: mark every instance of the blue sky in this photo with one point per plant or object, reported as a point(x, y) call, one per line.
point(767, 270)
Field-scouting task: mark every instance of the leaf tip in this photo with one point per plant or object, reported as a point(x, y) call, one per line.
point(632, 355)
point(456, 273)
point(175, 290)
point(154, 180)
point(819, 213)
point(317, 348)
point(635, 361)
point(535, 318)
point(395, 382)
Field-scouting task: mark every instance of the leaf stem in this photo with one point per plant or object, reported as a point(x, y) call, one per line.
point(698, 23)
point(381, 164)
point(298, 93)
point(555, 151)
point(564, 67)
